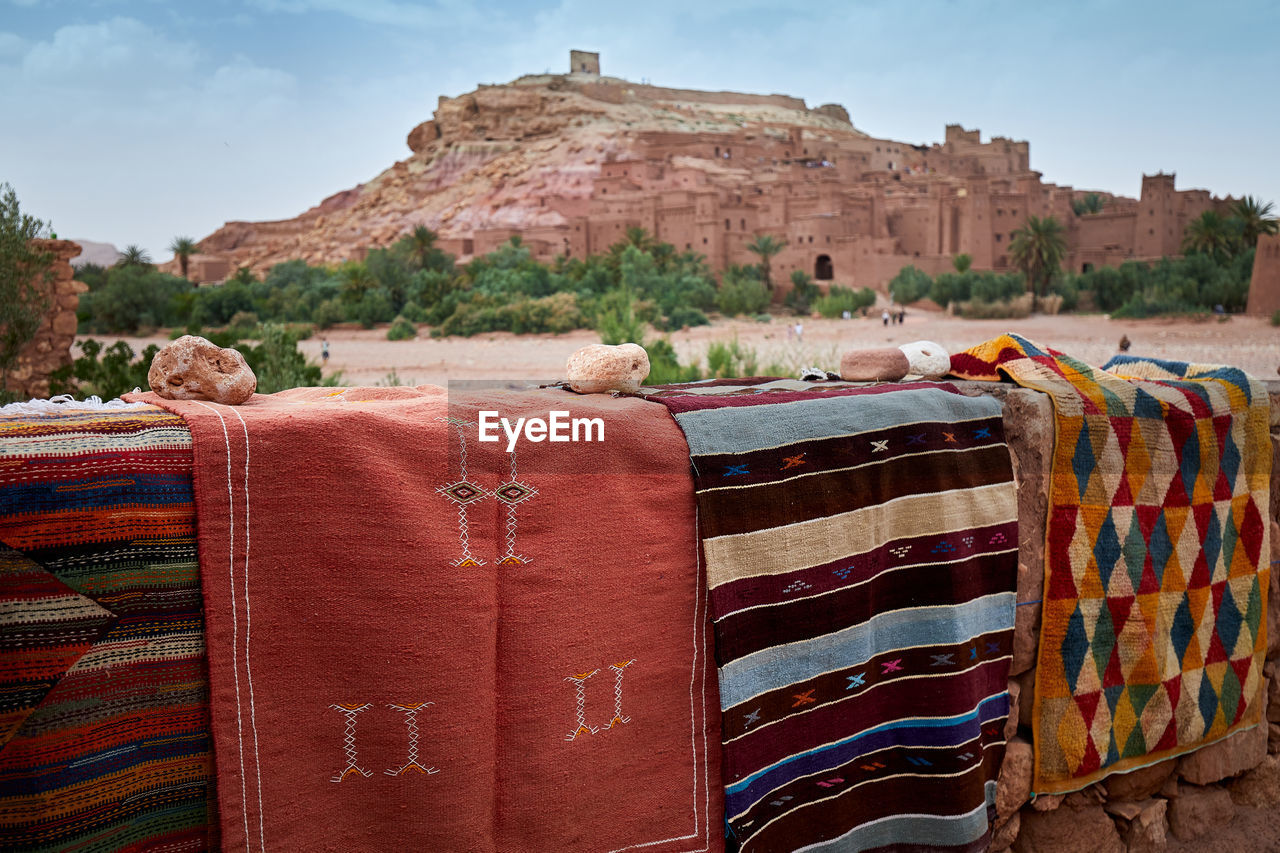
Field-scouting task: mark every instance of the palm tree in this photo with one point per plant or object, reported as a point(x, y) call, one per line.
point(421, 241)
point(1037, 249)
point(183, 248)
point(640, 238)
point(766, 247)
point(1091, 203)
point(356, 281)
point(1255, 218)
point(244, 276)
point(1211, 234)
point(134, 256)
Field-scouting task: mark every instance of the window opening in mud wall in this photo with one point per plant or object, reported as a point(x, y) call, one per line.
point(822, 269)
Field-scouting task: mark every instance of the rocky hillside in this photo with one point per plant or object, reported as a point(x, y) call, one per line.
point(486, 159)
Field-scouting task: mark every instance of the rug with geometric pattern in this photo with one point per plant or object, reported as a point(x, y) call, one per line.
point(861, 559)
point(1153, 631)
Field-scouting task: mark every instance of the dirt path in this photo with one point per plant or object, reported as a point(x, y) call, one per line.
point(367, 357)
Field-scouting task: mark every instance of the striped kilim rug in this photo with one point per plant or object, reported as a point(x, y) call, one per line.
point(104, 731)
point(1153, 630)
point(860, 549)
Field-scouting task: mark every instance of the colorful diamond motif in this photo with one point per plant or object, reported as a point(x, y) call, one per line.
point(463, 492)
point(1153, 630)
point(513, 492)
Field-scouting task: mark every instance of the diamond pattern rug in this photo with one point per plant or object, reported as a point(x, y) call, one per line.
point(1153, 630)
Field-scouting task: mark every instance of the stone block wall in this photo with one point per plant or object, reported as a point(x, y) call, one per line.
point(1182, 801)
point(51, 346)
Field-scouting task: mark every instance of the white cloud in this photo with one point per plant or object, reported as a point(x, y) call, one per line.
point(242, 80)
point(448, 13)
point(11, 46)
point(112, 54)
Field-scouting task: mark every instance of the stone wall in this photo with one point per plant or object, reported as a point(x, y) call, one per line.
point(1183, 798)
point(51, 346)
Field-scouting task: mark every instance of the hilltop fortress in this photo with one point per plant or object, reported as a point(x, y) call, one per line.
point(569, 162)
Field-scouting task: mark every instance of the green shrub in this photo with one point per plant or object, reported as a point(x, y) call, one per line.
point(24, 274)
point(244, 323)
point(106, 373)
point(741, 292)
point(731, 359)
point(373, 307)
point(135, 297)
point(665, 368)
point(1275, 319)
point(278, 363)
point(1010, 309)
point(841, 299)
point(328, 313)
point(681, 317)
point(413, 312)
point(401, 330)
point(616, 319)
point(909, 285)
point(803, 292)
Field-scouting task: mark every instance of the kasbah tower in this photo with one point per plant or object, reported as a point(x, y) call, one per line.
point(853, 209)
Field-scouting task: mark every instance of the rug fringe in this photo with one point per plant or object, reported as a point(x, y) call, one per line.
point(68, 403)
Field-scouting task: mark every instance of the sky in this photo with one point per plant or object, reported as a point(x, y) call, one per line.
point(137, 121)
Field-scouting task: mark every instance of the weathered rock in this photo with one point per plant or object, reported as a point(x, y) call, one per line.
point(1068, 830)
point(1011, 723)
point(1171, 789)
point(927, 359)
point(422, 136)
point(1141, 783)
point(1273, 602)
point(835, 111)
point(1013, 787)
point(1028, 427)
point(598, 368)
point(886, 364)
point(1227, 757)
point(1197, 810)
point(1091, 796)
point(1127, 809)
point(1047, 802)
point(1148, 829)
point(1273, 738)
point(1026, 697)
point(1005, 833)
point(1260, 787)
point(192, 368)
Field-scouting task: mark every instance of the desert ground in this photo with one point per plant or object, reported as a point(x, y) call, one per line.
point(366, 357)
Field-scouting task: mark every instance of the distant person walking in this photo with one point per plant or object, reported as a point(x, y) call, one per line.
point(902, 316)
point(884, 317)
point(324, 351)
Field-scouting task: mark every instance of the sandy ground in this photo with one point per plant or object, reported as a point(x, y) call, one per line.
point(366, 357)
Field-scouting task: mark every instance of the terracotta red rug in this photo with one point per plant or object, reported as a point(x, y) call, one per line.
point(419, 641)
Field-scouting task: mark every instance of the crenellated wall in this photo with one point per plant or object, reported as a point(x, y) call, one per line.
point(50, 348)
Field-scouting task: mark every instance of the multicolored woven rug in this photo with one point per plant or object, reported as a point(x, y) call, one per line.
point(104, 718)
point(861, 554)
point(1153, 630)
point(418, 640)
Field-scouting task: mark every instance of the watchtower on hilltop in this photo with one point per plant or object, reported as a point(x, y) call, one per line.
point(583, 62)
